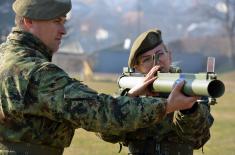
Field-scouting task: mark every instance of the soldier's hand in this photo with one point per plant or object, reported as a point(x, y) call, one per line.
point(178, 101)
point(143, 88)
point(151, 74)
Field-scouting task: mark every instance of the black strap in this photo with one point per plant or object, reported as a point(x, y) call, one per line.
point(120, 147)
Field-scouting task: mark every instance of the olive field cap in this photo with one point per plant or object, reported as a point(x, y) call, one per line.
point(145, 41)
point(42, 9)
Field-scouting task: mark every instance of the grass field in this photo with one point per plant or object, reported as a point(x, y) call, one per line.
point(222, 140)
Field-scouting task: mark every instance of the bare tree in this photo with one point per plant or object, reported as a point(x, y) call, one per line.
point(229, 25)
point(224, 11)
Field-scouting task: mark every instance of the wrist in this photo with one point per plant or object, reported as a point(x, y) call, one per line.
point(168, 107)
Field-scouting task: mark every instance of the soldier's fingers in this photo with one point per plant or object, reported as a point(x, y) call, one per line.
point(152, 72)
point(150, 81)
point(178, 86)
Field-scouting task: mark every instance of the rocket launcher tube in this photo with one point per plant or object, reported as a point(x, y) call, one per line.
point(201, 84)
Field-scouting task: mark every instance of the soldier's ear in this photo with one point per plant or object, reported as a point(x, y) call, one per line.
point(27, 23)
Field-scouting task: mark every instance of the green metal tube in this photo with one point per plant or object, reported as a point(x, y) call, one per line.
point(201, 84)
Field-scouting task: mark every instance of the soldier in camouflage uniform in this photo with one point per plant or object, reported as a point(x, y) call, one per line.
point(178, 133)
point(41, 106)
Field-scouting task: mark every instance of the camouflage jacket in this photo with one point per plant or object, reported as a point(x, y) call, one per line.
point(188, 126)
point(43, 105)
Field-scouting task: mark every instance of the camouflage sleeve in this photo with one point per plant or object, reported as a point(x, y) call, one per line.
point(61, 98)
point(159, 130)
point(194, 127)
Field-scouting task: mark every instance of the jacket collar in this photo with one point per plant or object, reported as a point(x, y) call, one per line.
point(22, 37)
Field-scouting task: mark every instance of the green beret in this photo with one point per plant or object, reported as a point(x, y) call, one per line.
point(42, 9)
point(146, 41)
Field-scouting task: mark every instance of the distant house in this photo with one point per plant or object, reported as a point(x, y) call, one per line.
point(194, 51)
point(113, 59)
point(73, 60)
point(110, 60)
point(70, 62)
point(189, 62)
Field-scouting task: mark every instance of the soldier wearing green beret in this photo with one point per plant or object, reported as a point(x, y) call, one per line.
point(41, 106)
point(180, 131)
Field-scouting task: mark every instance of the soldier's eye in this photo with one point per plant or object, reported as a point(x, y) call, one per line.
point(57, 21)
point(147, 59)
point(161, 53)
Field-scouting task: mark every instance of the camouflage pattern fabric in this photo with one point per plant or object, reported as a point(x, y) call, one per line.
point(181, 127)
point(43, 105)
point(194, 128)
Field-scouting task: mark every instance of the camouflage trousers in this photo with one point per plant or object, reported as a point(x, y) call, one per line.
point(151, 147)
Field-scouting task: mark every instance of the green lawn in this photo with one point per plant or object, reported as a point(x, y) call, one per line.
point(222, 140)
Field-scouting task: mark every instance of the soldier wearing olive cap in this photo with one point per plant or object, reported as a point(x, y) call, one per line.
point(41, 106)
point(145, 42)
point(178, 133)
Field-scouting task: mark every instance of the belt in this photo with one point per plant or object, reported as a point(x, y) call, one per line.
point(12, 148)
point(150, 147)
